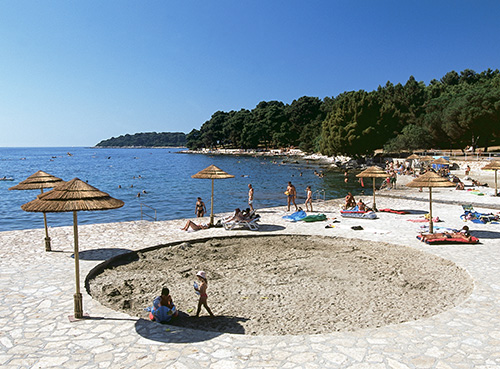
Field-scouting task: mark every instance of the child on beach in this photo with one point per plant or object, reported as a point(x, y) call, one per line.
point(202, 289)
point(163, 309)
point(309, 198)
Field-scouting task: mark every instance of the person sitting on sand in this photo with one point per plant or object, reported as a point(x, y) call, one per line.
point(462, 234)
point(460, 186)
point(350, 202)
point(163, 307)
point(194, 226)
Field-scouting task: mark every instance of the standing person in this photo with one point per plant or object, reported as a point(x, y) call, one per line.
point(250, 197)
point(291, 194)
point(200, 208)
point(309, 200)
point(202, 289)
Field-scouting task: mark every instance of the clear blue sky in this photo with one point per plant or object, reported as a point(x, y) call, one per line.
point(75, 72)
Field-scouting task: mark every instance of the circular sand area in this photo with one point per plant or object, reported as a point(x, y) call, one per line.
point(279, 285)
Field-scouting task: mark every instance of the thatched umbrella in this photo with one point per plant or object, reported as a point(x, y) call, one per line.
point(74, 196)
point(425, 158)
point(373, 172)
point(212, 172)
point(40, 180)
point(440, 161)
point(412, 157)
point(430, 179)
point(494, 165)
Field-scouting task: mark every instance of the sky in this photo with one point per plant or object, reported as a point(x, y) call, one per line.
point(73, 73)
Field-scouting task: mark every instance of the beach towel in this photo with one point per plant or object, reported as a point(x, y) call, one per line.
point(294, 217)
point(444, 240)
point(422, 220)
point(314, 218)
point(394, 211)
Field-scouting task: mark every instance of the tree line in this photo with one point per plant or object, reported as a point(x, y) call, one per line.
point(458, 110)
point(147, 139)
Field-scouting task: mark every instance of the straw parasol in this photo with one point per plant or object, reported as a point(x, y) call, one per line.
point(212, 172)
point(430, 179)
point(40, 180)
point(494, 165)
point(74, 196)
point(425, 158)
point(373, 172)
point(412, 157)
point(440, 161)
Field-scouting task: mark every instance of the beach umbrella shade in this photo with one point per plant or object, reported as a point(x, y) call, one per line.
point(494, 165)
point(430, 179)
point(73, 196)
point(440, 161)
point(412, 157)
point(212, 172)
point(40, 180)
point(373, 172)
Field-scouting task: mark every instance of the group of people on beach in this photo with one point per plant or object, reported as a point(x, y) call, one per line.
point(291, 194)
point(164, 310)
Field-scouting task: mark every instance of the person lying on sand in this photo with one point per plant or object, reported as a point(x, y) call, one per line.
point(463, 234)
point(477, 183)
point(194, 226)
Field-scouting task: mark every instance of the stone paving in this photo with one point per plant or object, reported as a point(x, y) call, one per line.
point(36, 297)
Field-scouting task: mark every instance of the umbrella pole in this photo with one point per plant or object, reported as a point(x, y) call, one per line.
point(47, 238)
point(431, 224)
point(77, 296)
point(212, 205)
point(374, 206)
point(496, 192)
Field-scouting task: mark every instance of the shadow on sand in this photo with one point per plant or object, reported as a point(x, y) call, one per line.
point(485, 234)
point(100, 254)
point(188, 329)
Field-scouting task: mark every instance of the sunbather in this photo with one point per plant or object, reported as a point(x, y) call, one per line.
point(462, 234)
point(194, 226)
point(350, 202)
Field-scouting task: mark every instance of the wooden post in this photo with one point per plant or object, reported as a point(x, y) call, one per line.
point(47, 238)
point(212, 205)
point(374, 205)
point(78, 308)
point(431, 224)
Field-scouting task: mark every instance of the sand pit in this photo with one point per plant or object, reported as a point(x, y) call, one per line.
point(279, 285)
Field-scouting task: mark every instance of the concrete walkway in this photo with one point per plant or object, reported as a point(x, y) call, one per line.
point(36, 297)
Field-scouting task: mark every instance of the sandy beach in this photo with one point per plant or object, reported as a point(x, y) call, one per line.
point(444, 293)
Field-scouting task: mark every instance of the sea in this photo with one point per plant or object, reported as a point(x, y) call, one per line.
point(162, 177)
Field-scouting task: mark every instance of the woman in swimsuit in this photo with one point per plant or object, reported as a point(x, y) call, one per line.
point(200, 208)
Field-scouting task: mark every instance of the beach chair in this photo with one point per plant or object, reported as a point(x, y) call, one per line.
point(251, 224)
point(476, 217)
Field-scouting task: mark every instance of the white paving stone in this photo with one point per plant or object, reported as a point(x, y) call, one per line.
point(36, 297)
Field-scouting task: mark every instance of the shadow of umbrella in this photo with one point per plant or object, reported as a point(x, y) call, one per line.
point(494, 165)
point(212, 172)
point(74, 196)
point(40, 180)
point(430, 180)
point(373, 172)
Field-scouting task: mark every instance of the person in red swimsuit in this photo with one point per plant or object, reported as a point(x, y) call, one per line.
point(202, 289)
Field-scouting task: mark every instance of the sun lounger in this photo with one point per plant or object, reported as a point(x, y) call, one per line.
point(251, 224)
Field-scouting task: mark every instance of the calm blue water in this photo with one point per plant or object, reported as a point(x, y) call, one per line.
point(165, 176)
